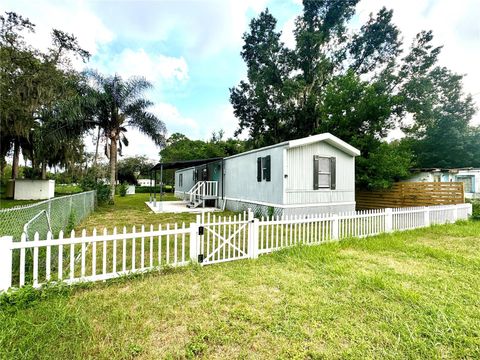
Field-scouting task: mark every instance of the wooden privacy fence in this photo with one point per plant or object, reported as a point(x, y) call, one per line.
point(209, 240)
point(407, 194)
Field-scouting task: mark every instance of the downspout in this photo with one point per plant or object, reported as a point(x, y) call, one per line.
point(223, 178)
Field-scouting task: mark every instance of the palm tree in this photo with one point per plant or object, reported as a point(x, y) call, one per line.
point(121, 104)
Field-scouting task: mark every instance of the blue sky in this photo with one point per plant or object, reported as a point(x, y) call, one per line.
point(190, 49)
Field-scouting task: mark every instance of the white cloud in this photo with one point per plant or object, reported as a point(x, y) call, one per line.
point(152, 67)
point(73, 17)
point(200, 28)
point(174, 121)
point(288, 36)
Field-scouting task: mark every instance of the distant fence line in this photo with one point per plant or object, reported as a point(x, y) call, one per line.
point(53, 215)
point(407, 194)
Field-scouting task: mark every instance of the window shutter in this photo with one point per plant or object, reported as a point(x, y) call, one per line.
point(259, 169)
point(333, 173)
point(315, 172)
point(267, 166)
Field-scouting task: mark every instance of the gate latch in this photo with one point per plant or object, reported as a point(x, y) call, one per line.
point(200, 230)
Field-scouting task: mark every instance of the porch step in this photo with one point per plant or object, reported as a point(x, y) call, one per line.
point(194, 204)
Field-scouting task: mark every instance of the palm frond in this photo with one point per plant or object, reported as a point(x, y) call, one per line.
point(148, 124)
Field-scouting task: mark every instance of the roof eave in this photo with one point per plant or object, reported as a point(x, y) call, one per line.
point(329, 138)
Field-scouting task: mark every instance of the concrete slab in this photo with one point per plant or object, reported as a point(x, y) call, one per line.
point(176, 207)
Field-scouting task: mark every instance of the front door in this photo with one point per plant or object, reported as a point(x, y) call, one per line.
point(215, 170)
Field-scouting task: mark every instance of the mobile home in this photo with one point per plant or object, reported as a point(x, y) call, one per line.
point(309, 175)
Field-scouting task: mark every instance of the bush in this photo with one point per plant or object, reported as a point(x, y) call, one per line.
point(122, 189)
point(270, 212)
point(71, 221)
point(103, 193)
point(147, 189)
point(88, 183)
point(476, 209)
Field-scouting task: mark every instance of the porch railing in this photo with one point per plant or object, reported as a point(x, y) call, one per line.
point(202, 190)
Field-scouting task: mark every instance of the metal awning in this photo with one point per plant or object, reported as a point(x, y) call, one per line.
point(182, 164)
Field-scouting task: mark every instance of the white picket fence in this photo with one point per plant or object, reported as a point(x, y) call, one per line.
point(211, 239)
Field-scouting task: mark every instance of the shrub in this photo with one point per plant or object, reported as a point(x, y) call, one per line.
point(89, 182)
point(476, 209)
point(147, 189)
point(103, 193)
point(122, 189)
point(71, 221)
point(270, 211)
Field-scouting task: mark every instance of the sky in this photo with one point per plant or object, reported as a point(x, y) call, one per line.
point(190, 49)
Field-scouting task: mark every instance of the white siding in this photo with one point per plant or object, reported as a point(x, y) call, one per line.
point(299, 183)
point(187, 180)
point(241, 177)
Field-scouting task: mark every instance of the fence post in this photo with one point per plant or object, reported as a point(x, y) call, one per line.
point(194, 242)
point(388, 220)
point(335, 226)
point(6, 262)
point(469, 210)
point(252, 235)
point(455, 213)
point(426, 217)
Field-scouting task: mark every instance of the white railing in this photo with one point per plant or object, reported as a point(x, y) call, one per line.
point(209, 240)
point(203, 189)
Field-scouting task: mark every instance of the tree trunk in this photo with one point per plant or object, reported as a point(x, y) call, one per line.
point(44, 170)
point(113, 168)
point(96, 148)
point(16, 158)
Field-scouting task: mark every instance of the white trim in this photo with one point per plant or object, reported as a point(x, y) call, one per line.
point(184, 169)
point(256, 150)
point(288, 206)
point(329, 138)
point(284, 175)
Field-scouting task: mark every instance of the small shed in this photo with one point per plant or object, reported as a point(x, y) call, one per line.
point(26, 189)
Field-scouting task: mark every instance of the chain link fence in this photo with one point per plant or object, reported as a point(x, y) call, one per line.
point(61, 213)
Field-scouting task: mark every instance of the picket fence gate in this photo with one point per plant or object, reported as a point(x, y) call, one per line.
point(211, 239)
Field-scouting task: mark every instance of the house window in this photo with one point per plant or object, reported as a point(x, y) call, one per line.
point(180, 180)
point(324, 172)
point(468, 183)
point(264, 168)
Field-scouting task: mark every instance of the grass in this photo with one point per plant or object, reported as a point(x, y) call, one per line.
point(9, 203)
point(404, 295)
point(60, 190)
point(131, 210)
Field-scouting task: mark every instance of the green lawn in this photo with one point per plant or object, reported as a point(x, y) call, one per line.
point(60, 190)
point(131, 210)
point(403, 295)
point(9, 203)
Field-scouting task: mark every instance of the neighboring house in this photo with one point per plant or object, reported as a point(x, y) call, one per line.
point(310, 175)
point(144, 182)
point(469, 176)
